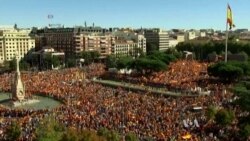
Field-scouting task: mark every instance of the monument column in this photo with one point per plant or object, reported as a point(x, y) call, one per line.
point(18, 92)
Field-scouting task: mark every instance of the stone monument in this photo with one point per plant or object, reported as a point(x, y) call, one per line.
point(18, 89)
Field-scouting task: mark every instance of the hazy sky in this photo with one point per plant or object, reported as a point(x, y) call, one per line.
point(125, 13)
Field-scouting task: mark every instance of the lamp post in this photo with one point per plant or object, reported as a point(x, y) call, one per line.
point(123, 119)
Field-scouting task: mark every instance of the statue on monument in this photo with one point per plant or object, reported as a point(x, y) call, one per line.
point(17, 88)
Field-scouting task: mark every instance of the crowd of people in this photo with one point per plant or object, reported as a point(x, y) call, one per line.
point(87, 105)
point(185, 76)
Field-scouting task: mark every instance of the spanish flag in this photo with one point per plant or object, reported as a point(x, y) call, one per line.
point(230, 17)
point(187, 136)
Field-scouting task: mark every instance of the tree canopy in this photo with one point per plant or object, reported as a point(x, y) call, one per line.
point(111, 61)
point(202, 49)
point(124, 62)
point(89, 56)
point(155, 61)
point(13, 131)
point(229, 71)
point(224, 117)
point(49, 129)
point(242, 90)
point(148, 65)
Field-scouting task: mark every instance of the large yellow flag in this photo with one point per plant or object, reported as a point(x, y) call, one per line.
point(230, 17)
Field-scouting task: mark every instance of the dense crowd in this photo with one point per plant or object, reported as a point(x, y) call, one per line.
point(181, 73)
point(185, 76)
point(89, 105)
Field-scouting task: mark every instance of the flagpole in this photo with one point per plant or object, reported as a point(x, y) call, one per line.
point(226, 42)
point(226, 39)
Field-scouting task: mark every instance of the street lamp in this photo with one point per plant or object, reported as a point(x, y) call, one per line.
point(123, 119)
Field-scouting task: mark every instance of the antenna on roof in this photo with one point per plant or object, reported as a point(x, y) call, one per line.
point(50, 17)
point(15, 26)
point(85, 24)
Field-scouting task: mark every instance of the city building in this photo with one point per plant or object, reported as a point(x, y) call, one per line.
point(73, 40)
point(173, 42)
point(141, 42)
point(60, 39)
point(241, 30)
point(157, 37)
point(49, 51)
point(15, 42)
point(134, 41)
point(202, 33)
point(100, 43)
point(125, 48)
point(190, 35)
point(92, 29)
point(180, 37)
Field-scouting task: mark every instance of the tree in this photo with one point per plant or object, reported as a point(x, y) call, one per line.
point(102, 131)
point(242, 90)
point(109, 135)
point(89, 56)
point(211, 112)
point(12, 64)
point(139, 52)
point(94, 55)
point(49, 129)
point(55, 61)
point(148, 65)
point(13, 132)
point(245, 131)
point(166, 58)
point(70, 135)
point(113, 136)
point(224, 117)
point(70, 62)
point(124, 62)
point(111, 61)
point(243, 65)
point(87, 135)
point(244, 54)
point(47, 61)
point(131, 137)
point(226, 71)
point(174, 52)
point(86, 56)
point(150, 47)
point(31, 59)
point(24, 65)
point(202, 48)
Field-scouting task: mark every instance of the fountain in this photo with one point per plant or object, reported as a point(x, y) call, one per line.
point(18, 100)
point(18, 89)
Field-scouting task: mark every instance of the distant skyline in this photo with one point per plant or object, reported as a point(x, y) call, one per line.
point(167, 14)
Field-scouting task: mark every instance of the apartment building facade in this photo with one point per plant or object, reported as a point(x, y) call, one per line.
point(190, 35)
point(99, 43)
point(15, 42)
point(158, 37)
point(125, 48)
point(75, 40)
point(141, 42)
point(61, 39)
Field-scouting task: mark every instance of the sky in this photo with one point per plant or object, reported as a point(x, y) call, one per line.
point(167, 14)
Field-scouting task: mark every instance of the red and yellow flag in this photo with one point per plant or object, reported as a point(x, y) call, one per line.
point(230, 17)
